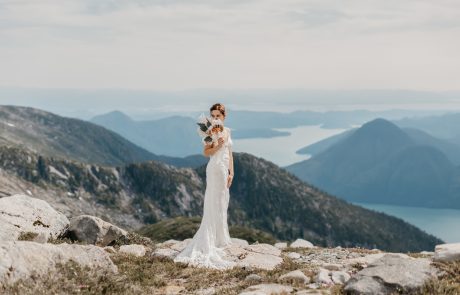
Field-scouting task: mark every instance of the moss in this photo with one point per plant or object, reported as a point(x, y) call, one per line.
point(27, 236)
point(181, 228)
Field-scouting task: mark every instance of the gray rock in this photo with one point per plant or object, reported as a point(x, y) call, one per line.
point(332, 266)
point(322, 277)
point(23, 259)
point(263, 256)
point(340, 277)
point(165, 252)
point(136, 250)
point(301, 243)
point(240, 241)
point(293, 255)
point(253, 278)
point(296, 275)
point(21, 213)
point(391, 273)
point(447, 252)
point(41, 238)
point(268, 289)
point(281, 245)
point(179, 246)
point(93, 230)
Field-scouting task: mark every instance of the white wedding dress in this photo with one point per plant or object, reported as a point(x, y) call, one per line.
point(206, 249)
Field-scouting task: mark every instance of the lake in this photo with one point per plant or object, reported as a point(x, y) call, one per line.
point(281, 150)
point(442, 223)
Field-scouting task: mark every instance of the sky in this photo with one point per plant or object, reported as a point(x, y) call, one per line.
point(160, 45)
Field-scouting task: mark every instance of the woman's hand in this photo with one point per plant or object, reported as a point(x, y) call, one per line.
point(220, 142)
point(229, 180)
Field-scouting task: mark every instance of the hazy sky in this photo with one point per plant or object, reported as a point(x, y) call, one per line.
point(176, 45)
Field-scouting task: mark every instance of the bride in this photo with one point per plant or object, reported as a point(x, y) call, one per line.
point(206, 249)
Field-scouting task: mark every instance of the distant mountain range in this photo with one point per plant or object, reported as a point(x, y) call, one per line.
point(263, 196)
point(176, 136)
point(382, 163)
point(52, 135)
point(443, 126)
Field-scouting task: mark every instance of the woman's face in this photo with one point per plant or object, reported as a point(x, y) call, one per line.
point(216, 114)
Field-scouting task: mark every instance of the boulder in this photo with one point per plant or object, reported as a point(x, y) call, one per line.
point(268, 289)
point(447, 252)
point(281, 245)
point(391, 273)
point(293, 255)
point(179, 246)
point(24, 214)
point(295, 276)
point(264, 256)
point(93, 230)
point(136, 250)
point(23, 259)
point(369, 259)
point(253, 278)
point(240, 242)
point(340, 277)
point(322, 277)
point(301, 243)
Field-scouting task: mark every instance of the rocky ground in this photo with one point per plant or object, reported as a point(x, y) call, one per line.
point(43, 252)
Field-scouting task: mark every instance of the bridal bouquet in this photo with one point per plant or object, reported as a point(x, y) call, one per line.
point(209, 130)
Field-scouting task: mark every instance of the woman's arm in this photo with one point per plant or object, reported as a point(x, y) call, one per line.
point(231, 171)
point(210, 149)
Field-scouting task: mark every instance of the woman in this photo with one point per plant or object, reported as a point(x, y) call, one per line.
point(206, 247)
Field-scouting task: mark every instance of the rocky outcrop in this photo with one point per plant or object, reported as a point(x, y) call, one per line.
point(295, 276)
point(447, 252)
point(93, 230)
point(361, 271)
point(23, 259)
point(23, 214)
point(301, 243)
point(391, 273)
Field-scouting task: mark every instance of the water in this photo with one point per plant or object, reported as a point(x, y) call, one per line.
point(442, 223)
point(281, 150)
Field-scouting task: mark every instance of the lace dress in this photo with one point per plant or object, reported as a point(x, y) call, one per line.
point(206, 249)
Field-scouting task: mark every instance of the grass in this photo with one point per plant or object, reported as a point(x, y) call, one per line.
point(449, 281)
point(146, 275)
point(182, 227)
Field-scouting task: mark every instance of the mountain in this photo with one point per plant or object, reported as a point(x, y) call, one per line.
point(449, 148)
point(176, 136)
point(52, 135)
point(381, 163)
point(263, 196)
point(444, 126)
point(322, 145)
point(172, 136)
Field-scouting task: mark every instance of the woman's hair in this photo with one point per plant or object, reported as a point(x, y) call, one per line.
point(218, 106)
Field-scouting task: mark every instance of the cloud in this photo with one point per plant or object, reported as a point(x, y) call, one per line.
point(243, 44)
